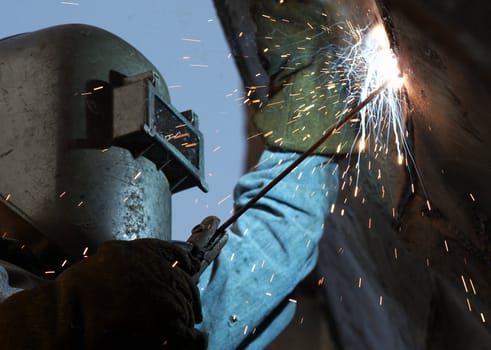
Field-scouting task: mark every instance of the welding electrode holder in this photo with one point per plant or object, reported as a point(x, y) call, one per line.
point(205, 243)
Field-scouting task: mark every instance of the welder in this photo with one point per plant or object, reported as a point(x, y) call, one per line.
point(91, 152)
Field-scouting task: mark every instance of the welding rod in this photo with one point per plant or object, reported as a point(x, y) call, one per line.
point(302, 156)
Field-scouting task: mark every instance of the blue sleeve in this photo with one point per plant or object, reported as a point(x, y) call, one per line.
point(271, 248)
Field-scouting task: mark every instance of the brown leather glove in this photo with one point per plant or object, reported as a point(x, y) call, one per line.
point(128, 295)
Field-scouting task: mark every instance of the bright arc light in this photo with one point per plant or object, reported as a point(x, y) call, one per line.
point(383, 63)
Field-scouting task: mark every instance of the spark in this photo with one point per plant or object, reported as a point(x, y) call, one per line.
point(7, 198)
point(465, 285)
point(472, 286)
point(84, 253)
point(70, 3)
point(428, 205)
point(175, 264)
point(224, 199)
point(191, 40)
point(137, 175)
point(482, 318)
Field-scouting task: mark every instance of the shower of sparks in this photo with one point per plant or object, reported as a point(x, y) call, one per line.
point(370, 62)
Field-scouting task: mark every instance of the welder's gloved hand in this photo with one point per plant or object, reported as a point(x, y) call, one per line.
point(300, 43)
point(128, 295)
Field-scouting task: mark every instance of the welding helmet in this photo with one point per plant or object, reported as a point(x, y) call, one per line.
point(91, 148)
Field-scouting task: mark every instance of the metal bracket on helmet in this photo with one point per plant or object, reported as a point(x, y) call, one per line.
point(147, 125)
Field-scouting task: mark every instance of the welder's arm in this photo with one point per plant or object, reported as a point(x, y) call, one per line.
point(271, 248)
point(128, 295)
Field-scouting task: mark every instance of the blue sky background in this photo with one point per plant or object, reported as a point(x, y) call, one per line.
point(199, 72)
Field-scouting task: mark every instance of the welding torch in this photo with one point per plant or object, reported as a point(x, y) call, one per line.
point(207, 239)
